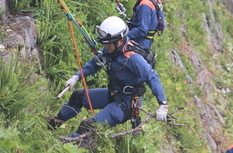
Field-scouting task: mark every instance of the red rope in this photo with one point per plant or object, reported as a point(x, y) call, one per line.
point(118, 2)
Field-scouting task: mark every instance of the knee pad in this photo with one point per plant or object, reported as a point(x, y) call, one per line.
point(76, 98)
point(86, 125)
point(127, 115)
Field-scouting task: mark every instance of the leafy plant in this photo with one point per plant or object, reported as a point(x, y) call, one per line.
point(9, 139)
point(16, 6)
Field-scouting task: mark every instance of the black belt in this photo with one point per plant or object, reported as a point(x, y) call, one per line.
point(117, 98)
point(130, 90)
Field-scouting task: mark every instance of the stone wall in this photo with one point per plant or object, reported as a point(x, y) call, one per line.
point(229, 4)
point(19, 34)
point(3, 11)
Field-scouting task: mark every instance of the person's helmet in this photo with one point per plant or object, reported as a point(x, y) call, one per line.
point(111, 29)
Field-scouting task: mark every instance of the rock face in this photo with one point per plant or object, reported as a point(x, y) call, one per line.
point(20, 32)
point(211, 117)
point(3, 11)
point(229, 4)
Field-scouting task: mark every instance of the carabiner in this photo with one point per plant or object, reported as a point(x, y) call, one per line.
point(121, 9)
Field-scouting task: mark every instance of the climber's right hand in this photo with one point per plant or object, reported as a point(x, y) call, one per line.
point(72, 81)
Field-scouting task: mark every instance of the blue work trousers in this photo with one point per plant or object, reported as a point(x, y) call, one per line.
point(111, 112)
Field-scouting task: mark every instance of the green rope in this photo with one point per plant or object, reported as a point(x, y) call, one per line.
point(84, 32)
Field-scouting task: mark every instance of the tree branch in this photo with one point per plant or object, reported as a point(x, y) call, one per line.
point(135, 130)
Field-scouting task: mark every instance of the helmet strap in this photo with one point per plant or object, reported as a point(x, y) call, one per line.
point(116, 43)
point(116, 52)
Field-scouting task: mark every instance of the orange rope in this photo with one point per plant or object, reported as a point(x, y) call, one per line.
point(78, 58)
point(80, 66)
point(64, 6)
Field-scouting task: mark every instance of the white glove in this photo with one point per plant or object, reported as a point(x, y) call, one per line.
point(72, 81)
point(161, 113)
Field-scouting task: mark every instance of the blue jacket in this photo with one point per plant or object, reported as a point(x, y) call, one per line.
point(144, 19)
point(230, 149)
point(130, 69)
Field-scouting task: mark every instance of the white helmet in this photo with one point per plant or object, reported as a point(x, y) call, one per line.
point(111, 29)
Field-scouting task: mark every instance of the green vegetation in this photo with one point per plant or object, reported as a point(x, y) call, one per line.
point(27, 90)
point(17, 6)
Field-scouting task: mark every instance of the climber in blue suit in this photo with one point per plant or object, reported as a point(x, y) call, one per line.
point(230, 149)
point(145, 23)
point(127, 71)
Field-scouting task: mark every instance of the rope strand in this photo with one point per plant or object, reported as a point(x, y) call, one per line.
point(70, 20)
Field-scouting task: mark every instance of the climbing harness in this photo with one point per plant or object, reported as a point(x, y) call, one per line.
point(135, 105)
point(136, 91)
point(147, 53)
